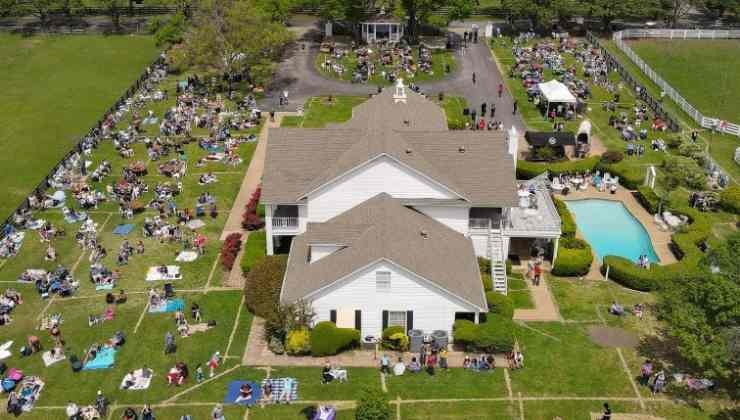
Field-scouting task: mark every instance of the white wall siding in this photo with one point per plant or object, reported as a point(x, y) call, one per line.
point(320, 251)
point(433, 309)
point(456, 218)
point(382, 175)
point(480, 244)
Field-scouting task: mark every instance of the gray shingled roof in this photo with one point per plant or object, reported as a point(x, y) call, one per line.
point(382, 228)
point(300, 160)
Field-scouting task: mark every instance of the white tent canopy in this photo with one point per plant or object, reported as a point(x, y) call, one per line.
point(556, 92)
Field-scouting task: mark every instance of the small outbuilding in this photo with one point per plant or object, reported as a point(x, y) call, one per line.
point(381, 28)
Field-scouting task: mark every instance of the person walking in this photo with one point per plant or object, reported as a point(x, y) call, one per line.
point(483, 109)
point(500, 89)
point(515, 107)
point(493, 110)
point(607, 412)
point(473, 77)
point(646, 370)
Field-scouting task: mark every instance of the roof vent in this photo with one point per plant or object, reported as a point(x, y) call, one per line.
point(408, 151)
point(461, 149)
point(424, 234)
point(407, 123)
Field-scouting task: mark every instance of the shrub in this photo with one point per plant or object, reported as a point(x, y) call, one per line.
point(263, 284)
point(508, 266)
point(568, 224)
point(529, 170)
point(729, 199)
point(171, 31)
point(328, 340)
point(500, 305)
point(648, 198)
point(691, 149)
point(395, 338)
point(250, 219)
point(484, 265)
point(629, 274)
point(254, 250)
point(573, 262)
point(487, 281)
point(630, 176)
point(681, 170)
point(230, 249)
point(372, 405)
point(298, 342)
point(573, 243)
point(612, 156)
point(494, 335)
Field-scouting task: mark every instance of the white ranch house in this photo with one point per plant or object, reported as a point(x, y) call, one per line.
point(385, 214)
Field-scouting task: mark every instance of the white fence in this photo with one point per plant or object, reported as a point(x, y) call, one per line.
point(703, 120)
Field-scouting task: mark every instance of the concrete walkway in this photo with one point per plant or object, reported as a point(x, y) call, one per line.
point(545, 308)
point(251, 180)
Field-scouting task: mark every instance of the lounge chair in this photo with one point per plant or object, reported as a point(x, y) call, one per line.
point(556, 185)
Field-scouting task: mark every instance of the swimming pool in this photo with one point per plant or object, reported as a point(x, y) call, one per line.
point(611, 229)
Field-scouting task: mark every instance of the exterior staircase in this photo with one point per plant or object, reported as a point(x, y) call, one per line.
point(498, 259)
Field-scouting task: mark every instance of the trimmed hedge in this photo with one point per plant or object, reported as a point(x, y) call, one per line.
point(496, 335)
point(395, 338)
point(254, 250)
point(729, 199)
point(500, 305)
point(629, 274)
point(263, 283)
point(568, 224)
point(573, 262)
point(630, 176)
point(328, 340)
point(529, 170)
point(648, 198)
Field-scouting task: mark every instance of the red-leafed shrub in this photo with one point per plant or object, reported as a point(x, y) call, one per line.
point(250, 219)
point(230, 249)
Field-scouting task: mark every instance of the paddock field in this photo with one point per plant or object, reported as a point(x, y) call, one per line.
point(703, 71)
point(53, 89)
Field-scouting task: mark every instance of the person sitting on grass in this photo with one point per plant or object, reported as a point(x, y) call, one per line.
point(414, 366)
point(245, 393)
point(326, 375)
point(616, 309)
point(399, 368)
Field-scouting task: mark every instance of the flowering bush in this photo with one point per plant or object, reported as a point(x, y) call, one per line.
point(251, 220)
point(230, 249)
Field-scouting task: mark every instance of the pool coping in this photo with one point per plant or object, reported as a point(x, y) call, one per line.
point(660, 239)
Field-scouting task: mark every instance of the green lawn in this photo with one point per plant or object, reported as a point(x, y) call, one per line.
point(440, 59)
point(519, 292)
point(452, 383)
point(464, 410)
point(319, 111)
point(54, 89)
point(679, 62)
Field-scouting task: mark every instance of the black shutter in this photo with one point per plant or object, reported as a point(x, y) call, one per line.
point(385, 319)
point(409, 320)
point(358, 320)
point(333, 316)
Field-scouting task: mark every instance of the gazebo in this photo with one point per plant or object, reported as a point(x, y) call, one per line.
point(381, 28)
point(555, 92)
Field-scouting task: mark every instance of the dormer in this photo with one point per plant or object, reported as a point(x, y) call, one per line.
point(319, 251)
point(400, 94)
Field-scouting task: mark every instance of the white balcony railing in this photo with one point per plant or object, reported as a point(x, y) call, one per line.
point(479, 224)
point(285, 223)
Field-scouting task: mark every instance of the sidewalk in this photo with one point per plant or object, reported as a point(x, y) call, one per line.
point(251, 180)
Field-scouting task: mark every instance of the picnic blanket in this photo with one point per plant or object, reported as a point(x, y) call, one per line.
point(169, 305)
point(195, 224)
point(50, 360)
point(103, 360)
point(278, 384)
point(31, 275)
point(173, 273)
point(123, 229)
point(108, 286)
point(5, 350)
point(29, 391)
point(233, 393)
point(141, 383)
point(196, 328)
point(187, 256)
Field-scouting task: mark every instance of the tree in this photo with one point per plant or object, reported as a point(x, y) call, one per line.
point(610, 10)
point(41, 9)
point(276, 10)
point(676, 10)
point(681, 170)
point(114, 8)
point(702, 313)
point(725, 257)
point(418, 12)
point(235, 38)
point(715, 9)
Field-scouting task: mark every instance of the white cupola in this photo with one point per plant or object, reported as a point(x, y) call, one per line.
point(400, 94)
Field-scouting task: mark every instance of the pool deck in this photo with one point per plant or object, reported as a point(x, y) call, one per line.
point(659, 238)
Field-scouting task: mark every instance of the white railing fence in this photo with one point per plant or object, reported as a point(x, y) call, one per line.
point(705, 121)
point(284, 222)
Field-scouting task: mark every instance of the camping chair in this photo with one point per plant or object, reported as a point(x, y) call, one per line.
point(75, 363)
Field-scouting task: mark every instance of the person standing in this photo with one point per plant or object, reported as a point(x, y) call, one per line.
point(483, 109)
point(646, 370)
point(607, 412)
point(443, 359)
point(385, 365)
point(537, 274)
point(493, 110)
point(147, 413)
point(500, 89)
point(101, 404)
point(515, 107)
point(473, 77)
point(218, 412)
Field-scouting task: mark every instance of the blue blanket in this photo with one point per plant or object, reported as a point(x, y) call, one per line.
point(233, 393)
point(123, 229)
point(103, 360)
point(171, 305)
point(104, 286)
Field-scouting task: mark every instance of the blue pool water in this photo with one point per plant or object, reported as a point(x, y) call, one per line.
point(611, 229)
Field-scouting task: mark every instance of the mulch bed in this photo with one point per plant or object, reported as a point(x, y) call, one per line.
point(613, 337)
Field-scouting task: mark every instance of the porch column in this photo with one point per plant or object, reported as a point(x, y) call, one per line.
point(477, 320)
point(555, 251)
point(268, 229)
point(375, 32)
